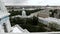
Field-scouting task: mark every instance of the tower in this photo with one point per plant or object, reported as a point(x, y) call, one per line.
point(4, 19)
point(23, 12)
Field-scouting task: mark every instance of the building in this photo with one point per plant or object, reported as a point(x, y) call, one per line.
point(5, 26)
point(4, 18)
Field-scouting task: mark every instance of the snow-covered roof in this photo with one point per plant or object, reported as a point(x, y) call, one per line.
point(18, 29)
point(50, 19)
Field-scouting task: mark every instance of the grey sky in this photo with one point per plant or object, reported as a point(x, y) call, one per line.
point(33, 2)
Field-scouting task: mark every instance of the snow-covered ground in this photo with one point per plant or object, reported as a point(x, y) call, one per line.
point(49, 19)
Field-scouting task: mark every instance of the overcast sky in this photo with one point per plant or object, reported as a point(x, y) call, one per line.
point(33, 2)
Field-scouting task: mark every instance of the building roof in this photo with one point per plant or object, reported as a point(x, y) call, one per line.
point(18, 29)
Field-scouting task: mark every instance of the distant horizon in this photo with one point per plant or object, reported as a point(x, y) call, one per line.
point(28, 5)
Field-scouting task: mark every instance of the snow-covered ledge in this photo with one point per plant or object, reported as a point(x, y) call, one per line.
point(18, 29)
point(2, 15)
